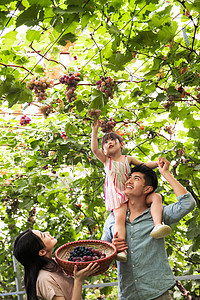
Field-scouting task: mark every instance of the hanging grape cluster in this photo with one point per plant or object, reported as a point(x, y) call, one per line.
point(170, 102)
point(108, 126)
point(94, 113)
point(105, 85)
point(45, 110)
point(24, 120)
point(71, 81)
point(39, 86)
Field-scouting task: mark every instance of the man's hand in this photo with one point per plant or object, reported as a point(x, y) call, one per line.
point(120, 244)
point(163, 165)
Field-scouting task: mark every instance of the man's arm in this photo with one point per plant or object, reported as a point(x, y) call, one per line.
point(108, 228)
point(173, 213)
point(163, 166)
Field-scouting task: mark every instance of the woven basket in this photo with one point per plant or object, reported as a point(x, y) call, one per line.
point(62, 254)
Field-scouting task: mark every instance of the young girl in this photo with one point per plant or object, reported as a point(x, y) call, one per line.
point(117, 168)
point(44, 279)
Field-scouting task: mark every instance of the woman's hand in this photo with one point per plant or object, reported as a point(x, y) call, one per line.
point(80, 276)
point(91, 269)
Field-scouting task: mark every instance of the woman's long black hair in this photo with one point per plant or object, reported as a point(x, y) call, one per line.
point(26, 250)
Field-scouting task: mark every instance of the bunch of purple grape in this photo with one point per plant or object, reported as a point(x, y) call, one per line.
point(82, 254)
point(39, 85)
point(108, 126)
point(71, 81)
point(24, 120)
point(105, 85)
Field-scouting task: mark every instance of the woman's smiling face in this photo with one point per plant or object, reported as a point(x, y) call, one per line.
point(48, 240)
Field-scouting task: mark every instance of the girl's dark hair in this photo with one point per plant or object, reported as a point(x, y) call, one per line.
point(111, 135)
point(26, 250)
point(150, 176)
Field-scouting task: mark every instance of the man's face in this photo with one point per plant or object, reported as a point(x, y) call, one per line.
point(135, 185)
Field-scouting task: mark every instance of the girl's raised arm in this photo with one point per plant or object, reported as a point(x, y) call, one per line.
point(135, 162)
point(94, 142)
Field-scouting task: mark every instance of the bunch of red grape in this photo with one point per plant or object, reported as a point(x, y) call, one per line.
point(169, 103)
point(105, 85)
point(108, 126)
point(94, 113)
point(82, 253)
point(39, 85)
point(24, 120)
point(46, 110)
point(71, 81)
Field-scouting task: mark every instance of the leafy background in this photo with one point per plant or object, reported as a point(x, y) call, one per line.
point(151, 50)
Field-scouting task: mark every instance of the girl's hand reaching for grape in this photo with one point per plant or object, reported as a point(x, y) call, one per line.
point(95, 125)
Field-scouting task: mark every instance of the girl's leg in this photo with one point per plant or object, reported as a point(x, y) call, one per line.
point(155, 201)
point(160, 230)
point(120, 218)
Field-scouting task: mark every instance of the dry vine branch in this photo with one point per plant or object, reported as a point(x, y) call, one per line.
point(16, 66)
point(48, 59)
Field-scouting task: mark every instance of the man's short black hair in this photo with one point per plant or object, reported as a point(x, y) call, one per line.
point(150, 176)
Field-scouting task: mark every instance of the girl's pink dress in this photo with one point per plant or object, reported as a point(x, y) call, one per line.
point(116, 175)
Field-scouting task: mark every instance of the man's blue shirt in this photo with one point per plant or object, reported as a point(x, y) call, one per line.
point(147, 275)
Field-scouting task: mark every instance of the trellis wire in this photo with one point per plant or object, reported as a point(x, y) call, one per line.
point(10, 17)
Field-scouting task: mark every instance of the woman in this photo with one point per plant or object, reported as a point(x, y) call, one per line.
point(43, 278)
